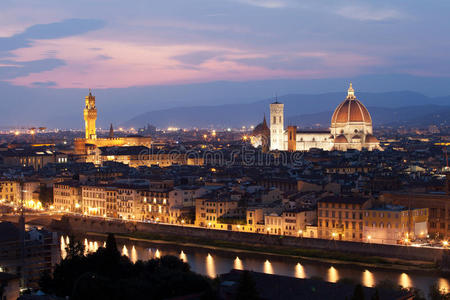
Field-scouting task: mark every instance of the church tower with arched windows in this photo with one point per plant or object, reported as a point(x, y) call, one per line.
point(276, 126)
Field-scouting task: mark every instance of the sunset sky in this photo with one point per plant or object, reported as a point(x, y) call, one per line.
point(116, 44)
point(147, 55)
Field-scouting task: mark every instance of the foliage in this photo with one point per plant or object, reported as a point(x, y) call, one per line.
point(358, 293)
point(232, 220)
point(45, 195)
point(437, 294)
point(376, 295)
point(106, 274)
point(246, 289)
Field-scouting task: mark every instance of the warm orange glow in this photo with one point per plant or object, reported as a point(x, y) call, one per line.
point(238, 264)
point(210, 266)
point(183, 257)
point(134, 256)
point(268, 269)
point(368, 279)
point(332, 275)
point(125, 250)
point(299, 271)
point(405, 280)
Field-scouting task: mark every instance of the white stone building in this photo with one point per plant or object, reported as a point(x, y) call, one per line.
point(351, 128)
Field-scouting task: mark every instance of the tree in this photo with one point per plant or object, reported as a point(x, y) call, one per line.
point(376, 295)
point(106, 274)
point(437, 294)
point(358, 293)
point(75, 248)
point(246, 288)
point(45, 195)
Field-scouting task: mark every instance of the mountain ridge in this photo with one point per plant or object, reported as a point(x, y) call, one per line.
point(297, 107)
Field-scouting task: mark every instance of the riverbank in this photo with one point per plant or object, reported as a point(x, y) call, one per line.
point(312, 255)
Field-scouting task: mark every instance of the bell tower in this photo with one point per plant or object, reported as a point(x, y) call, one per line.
point(276, 126)
point(90, 117)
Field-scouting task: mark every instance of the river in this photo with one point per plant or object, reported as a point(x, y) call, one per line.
point(211, 262)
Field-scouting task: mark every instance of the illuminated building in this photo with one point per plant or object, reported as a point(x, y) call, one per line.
point(10, 191)
point(67, 196)
point(389, 224)
point(36, 157)
point(91, 141)
point(341, 218)
point(351, 128)
point(261, 136)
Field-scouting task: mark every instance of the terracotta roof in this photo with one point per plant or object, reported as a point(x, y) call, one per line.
point(371, 139)
point(340, 139)
point(351, 110)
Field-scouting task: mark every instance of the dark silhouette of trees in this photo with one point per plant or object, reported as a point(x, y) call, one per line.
point(358, 293)
point(106, 274)
point(246, 289)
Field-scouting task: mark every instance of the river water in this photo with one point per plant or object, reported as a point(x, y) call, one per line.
point(212, 262)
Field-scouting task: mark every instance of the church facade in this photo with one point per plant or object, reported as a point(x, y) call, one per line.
point(91, 141)
point(351, 128)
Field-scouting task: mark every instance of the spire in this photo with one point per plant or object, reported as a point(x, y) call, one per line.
point(90, 92)
point(264, 120)
point(351, 92)
point(111, 132)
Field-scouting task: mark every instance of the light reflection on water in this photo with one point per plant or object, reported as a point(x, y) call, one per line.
point(405, 281)
point(124, 251)
point(134, 256)
point(183, 257)
point(332, 274)
point(268, 269)
point(444, 285)
point(368, 279)
point(238, 264)
point(211, 264)
point(300, 271)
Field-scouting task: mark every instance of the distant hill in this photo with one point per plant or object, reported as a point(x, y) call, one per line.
point(422, 115)
point(300, 109)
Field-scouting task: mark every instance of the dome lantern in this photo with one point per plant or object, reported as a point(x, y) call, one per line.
point(351, 92)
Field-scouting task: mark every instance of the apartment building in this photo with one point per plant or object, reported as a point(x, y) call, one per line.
point(341, 218)
point(394, 224)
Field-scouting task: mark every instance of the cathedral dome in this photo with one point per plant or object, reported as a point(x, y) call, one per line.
point(351, 110)
point(340, 139)
point(262, 129)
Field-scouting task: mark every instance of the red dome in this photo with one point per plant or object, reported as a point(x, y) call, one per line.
point(351, 110)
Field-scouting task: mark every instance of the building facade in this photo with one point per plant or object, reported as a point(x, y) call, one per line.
point(91, 141)
point(351, 128)
point(341, 218)
point(389, 224)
